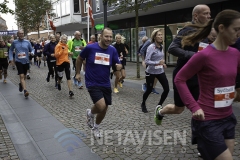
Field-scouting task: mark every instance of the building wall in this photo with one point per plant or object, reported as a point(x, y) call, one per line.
point(34, 35)
point(3, 25)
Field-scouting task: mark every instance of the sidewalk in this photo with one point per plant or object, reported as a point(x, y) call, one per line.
point(51, 126)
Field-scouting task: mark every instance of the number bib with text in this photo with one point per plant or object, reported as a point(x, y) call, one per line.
point(223, 96)
point(77, 49)
point(21, 55)
point(102, 58)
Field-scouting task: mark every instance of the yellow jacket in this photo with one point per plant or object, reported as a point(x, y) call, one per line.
point(61, 53)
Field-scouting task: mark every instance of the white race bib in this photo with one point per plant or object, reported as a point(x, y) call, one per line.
point(158, 66)
point(202, 46)
point(223, 96)
point(22, 55)
point(77, 49)
point(102, 58)
point(38, 51)
point(6, 54)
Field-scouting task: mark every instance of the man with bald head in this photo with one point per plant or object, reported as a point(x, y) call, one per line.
point(22, 48)
point(92, 39)
point(200, 15)
point(75, 46)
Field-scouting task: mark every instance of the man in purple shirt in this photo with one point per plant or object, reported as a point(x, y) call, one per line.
point(99, 59)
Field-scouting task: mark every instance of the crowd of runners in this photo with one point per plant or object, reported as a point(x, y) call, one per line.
point(204, 80)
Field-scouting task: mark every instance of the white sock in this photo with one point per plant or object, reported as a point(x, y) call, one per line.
point(96, 125)
point(90, 113)
point(159, 112)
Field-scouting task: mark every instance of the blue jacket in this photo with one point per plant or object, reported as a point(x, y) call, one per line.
point(20, 46)
point(48, 50)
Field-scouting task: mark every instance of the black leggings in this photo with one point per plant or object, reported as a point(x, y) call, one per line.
point(64, 66)
point(74, 63)
point(52, 65)
point(163, 81)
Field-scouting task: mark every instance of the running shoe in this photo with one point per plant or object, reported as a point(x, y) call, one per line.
point(157, 117)
point(144, 108)
point(120, 84)
point(47, 79)
point(59, 86)
point(71, 93)
point(154, 91)
point(56, 85)
point(144, 87)
point(90, 119)
point(80, 86)
point(115, 90)
point(4, 81)
point(20, 87)
point(75, 82)
point(96, 132)
point(26, 93)
point(199, 155)
point(13, 67)
point(28, 77)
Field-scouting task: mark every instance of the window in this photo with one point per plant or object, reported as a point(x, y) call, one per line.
point(97, 6)
point(65, 7)
point(58, 10)
point(76, 6)
point(85, 6)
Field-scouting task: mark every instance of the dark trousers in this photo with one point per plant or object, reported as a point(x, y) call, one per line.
point(51, 69)
point(163, 81)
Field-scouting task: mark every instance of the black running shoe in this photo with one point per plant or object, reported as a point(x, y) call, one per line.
point(28, 77)
point(20, 87)
point(144, 108)
point(71, 93)
point(59, 87)
point(48, 79)
point(26, 93)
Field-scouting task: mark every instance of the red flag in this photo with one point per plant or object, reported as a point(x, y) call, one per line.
point(90, 14)
point(51, 23)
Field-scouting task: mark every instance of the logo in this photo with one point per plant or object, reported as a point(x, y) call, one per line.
point(68, 139)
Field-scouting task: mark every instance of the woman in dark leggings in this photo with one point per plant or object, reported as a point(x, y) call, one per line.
point(155, 62)
point(51, 60)
point(62, 56)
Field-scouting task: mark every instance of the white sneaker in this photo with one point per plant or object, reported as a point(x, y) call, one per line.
point(96, 132)
point(90, 119)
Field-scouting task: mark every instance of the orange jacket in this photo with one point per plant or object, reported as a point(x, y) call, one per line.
point(61, 53)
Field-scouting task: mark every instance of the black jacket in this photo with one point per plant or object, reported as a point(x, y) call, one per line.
point(183, 54)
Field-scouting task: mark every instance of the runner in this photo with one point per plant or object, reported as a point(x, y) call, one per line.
point(120, 75)
point(22, 48)
point(213, 121)
point(49, 49)
point(62, 61)
point(99, 57)
point(155, 68)
point(75, 46)
point(3, 60)
point(38, 52)
point(200, 15)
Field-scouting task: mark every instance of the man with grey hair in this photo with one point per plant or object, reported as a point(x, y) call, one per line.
point(92, 39)
point(75, 46)
point(22, 48)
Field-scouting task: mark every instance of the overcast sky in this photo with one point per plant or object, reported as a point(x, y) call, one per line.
point(11, 22)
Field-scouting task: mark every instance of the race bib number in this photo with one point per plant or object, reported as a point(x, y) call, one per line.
point(223, 97)
point(6, 54)
point(77, 49)
point(21, 55)
point(38, 51)
point(102, 58)
point(202, 46)
point(158, 66)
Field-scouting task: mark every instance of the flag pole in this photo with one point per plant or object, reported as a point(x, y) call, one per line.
point(88, 20)
point(47, 23)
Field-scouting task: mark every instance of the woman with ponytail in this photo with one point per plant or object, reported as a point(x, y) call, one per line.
point(213, 121)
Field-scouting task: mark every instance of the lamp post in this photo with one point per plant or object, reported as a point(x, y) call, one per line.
point(105, 12)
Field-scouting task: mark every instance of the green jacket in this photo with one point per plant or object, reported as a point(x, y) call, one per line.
point(70, 45)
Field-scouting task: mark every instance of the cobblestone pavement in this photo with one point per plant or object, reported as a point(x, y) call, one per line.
point(7, 150)
point(128, 133)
